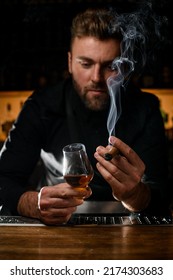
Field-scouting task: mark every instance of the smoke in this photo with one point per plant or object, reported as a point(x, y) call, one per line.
point(141, 35)
point(114, 86)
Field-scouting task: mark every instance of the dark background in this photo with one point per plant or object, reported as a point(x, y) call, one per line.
point(34, 40)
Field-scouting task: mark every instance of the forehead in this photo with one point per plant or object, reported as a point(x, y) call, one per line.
point(97, 50)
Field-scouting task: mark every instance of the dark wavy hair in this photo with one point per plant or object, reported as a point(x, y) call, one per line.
point(99, 23)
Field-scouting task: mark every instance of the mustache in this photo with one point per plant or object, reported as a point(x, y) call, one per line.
point(99, 87)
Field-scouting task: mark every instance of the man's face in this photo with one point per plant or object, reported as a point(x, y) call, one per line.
point(90, 65)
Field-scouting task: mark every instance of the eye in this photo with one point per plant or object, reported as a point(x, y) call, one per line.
point(85, 64)
point(114, 67)
point(109, 67)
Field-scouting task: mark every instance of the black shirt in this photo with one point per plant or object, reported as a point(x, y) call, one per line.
point(54, 117)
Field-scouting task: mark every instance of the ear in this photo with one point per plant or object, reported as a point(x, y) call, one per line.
point(69, 63)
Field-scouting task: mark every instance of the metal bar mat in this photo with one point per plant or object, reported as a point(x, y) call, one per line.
point(110, 219)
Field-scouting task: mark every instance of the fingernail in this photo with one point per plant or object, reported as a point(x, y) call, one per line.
point(112, 140)
point(96, 155)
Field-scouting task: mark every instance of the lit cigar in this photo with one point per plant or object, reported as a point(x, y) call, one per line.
point(111, 153)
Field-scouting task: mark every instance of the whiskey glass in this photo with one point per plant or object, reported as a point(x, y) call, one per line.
point(77, 169)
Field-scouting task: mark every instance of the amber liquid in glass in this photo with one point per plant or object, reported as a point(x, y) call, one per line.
point(78, 180)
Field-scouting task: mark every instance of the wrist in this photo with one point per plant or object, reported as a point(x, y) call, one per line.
point(28, 204)
point(139, 199)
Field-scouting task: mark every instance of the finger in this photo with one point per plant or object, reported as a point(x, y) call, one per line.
point(127, 151)
point(119, 169)
point(58, 203)
point(108, 176)
point(120, 161)
point(59, 220)
point(83, 192)
point(58, 212)
point(105, 150)
point(63, 191)
point(89, 192)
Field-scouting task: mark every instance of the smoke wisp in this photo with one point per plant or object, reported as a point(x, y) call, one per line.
point(141, 33)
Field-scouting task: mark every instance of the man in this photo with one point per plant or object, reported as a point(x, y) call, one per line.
point(77, 110)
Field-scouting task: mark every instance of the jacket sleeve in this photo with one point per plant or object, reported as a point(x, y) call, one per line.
point(19, 155)
point(152, 148)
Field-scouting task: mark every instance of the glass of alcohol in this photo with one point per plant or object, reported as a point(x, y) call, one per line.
point(77, 169)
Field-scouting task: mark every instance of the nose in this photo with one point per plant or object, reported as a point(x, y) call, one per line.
point(97, 74)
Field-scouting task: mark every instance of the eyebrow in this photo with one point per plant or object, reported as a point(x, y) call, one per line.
point(81, 58)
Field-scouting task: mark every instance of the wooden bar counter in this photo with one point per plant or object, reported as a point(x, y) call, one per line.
point(91, 242)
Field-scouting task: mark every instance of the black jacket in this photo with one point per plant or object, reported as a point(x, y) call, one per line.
point(55, 117)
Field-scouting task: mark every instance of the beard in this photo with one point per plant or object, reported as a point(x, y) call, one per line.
point(94, 103)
